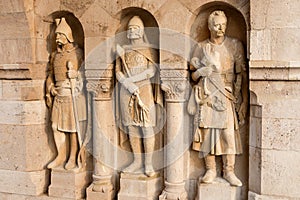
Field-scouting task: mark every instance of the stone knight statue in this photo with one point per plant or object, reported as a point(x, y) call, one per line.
point(218, 101)
point(136, 71)
point(64, 96)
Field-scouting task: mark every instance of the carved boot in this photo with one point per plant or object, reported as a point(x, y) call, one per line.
point(137, 164)
point(228, 170)
point(211, 172)
point(71, 164)
point(149, 148)
point(59, 139)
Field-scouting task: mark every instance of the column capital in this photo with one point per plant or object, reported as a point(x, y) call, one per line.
point(174, 84)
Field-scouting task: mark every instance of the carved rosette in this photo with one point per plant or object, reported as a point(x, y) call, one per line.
point(174, 84)
point(100, 83)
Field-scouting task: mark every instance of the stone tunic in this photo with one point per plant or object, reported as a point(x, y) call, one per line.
point(62, 115)
point(131, 112)
point(216, 125)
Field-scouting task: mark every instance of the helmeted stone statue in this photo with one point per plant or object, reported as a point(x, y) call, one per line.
point(136, 71)
point(64, 95)
point(217, 101)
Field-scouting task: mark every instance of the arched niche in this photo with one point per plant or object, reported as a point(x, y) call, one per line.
point(236, 24)
point(150, 23)
point(73, 22)
point(152, 36)
point(236, 28)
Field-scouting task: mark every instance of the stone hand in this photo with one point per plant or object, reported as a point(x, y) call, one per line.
point(242, 113)
point(53, 91)
point(72, 74)
point(132, 88)
point(205, 71)
point(195, 62)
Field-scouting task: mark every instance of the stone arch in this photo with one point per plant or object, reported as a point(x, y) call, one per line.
point(73, 22)
point(151, 24)
point(237, 27)
point(236, 22)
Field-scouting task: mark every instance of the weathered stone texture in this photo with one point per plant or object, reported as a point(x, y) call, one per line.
point(27, 183)
point(16, 51)
point(101, 24)
point(22, 112)
point(25, 90)
point(168, 16)
point(220, 190)
point(24, 147)
point(274, 14)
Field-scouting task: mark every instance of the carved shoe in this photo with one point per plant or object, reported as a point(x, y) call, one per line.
point(232, 179)
point(149, 171)
point(135, 167)
point(209, 176)
point(71, 164)
point(55, 163)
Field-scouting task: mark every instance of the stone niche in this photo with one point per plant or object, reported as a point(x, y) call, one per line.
point(97, 27)
point(237, 27)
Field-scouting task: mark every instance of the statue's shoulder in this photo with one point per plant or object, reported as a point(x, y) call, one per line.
point(78, 50)
point(233, 41)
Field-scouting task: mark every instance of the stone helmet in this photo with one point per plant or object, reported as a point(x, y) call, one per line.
point(136, 21)
point(64, 28)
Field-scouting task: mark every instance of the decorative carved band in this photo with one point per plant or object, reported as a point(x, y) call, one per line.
point(175, 73)
point(175, 90)
point(99, 73)
point(101, 88)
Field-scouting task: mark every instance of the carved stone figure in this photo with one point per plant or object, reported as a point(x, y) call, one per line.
point(217, 101)
point(64, 97)
point(136, 71)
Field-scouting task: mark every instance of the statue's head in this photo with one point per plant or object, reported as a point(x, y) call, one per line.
point(217, 23)
point(63, 32)
point(135, 28)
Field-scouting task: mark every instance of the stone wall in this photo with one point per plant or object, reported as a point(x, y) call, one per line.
point(268, 30)
point(274, 81)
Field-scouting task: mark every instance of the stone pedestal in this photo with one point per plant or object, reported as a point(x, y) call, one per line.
point(139, 186)
point(219, 190)
point(69, 184)
point(101, 188)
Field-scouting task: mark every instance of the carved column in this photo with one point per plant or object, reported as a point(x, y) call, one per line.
point(174, 84)
point(100, 86)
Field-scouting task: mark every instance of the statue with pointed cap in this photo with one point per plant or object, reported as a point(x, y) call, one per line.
point(218, 102)
point(64, 97)
point(137, 73)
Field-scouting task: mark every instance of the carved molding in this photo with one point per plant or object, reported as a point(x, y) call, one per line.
point(165, 74)
point(102, 88)
point(175, 90)
point(174, 84)
point(99, 73)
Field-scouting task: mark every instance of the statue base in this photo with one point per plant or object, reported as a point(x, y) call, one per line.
point(101, 188)
point(220, 189)
point(69, 183)
point(174, 191)
point(140, 186)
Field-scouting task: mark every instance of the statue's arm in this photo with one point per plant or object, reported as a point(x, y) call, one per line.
point(123, 80)
point(50, 84)
point(240, 90)
point(146, 74)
